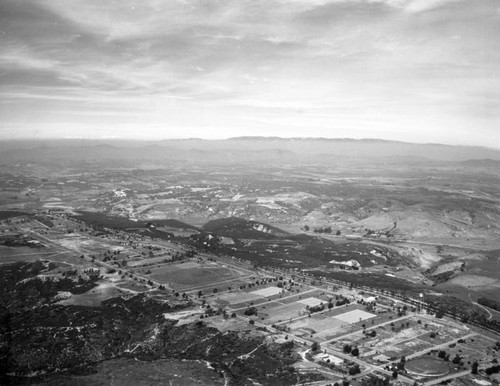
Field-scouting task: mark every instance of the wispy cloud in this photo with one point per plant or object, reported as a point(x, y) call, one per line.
point(422, 66)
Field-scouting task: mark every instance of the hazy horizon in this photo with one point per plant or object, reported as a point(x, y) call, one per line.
point(260, 137)
point(416, 71)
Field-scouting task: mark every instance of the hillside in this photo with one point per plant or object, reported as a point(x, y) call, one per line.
point(239, 228)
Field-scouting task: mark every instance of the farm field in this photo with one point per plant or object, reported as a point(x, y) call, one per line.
point(328, 323)
point(269, 296)
point(239, 298)
point(283, 312)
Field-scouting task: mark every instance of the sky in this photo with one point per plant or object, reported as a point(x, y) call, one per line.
point(408, 70)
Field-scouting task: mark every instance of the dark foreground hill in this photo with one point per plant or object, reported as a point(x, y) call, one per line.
point(40, 338)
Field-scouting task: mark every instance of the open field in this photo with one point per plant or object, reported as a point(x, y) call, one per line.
point(240, 298)
point(184, 276)
point(284, 312)
point(426, 366)
point(354, 316)
point(311, 302)
point(11, 255)
point(328, 324)
point(149, 261)
point(322, 327)
point(266, 292)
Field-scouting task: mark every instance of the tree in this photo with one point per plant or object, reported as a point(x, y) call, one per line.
point(347, 348)
point(394, 374)
point(250, 311)
point(354, 370)
point(475, 365)
point(355, 352)
point(315, 346)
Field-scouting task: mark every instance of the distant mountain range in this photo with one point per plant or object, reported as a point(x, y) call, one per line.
point(245, 149)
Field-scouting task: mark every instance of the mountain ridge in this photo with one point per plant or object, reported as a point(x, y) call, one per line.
point(242, 149)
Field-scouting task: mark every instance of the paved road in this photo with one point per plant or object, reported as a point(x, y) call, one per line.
point(451, 376)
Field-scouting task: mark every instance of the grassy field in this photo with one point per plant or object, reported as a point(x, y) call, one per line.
point(192, 275)
point(237, 298)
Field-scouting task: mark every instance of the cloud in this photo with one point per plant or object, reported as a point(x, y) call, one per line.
point(251, 65)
